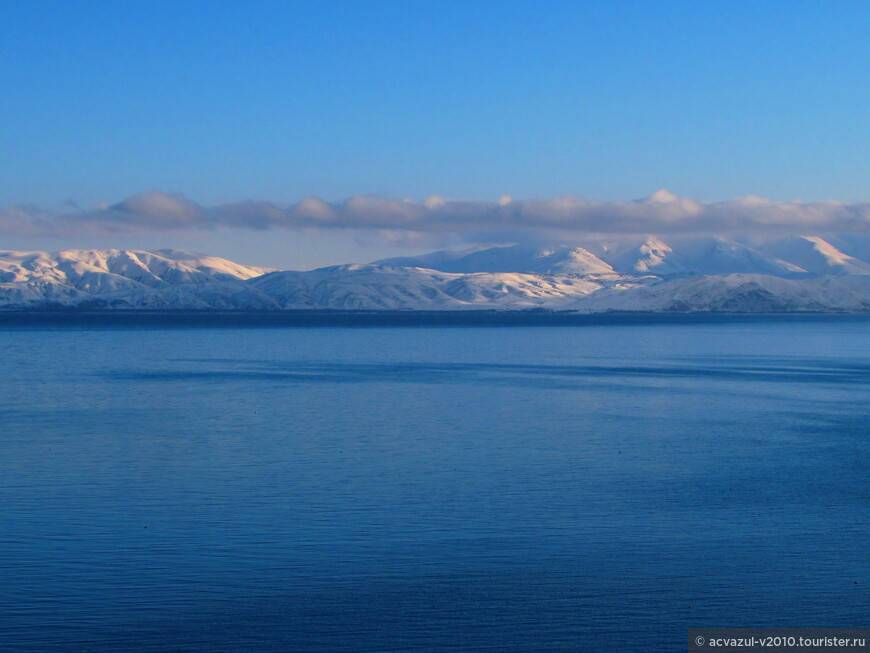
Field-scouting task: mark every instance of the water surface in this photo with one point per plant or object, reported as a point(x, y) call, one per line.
point(597, 487)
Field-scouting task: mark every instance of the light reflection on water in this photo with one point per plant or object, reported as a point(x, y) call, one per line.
point(430, 489)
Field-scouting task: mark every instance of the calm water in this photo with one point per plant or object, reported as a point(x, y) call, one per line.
point(389, 489)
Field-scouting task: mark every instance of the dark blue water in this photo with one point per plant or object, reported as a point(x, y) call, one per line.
point(596, 488)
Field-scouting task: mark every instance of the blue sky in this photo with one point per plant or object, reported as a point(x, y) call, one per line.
point(277, 101)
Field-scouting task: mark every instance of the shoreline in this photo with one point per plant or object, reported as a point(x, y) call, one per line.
point(367, 318)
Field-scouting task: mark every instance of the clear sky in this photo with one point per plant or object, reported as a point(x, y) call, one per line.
point(276, 101)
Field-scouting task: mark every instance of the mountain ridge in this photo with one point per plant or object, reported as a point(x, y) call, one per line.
point(710, 274)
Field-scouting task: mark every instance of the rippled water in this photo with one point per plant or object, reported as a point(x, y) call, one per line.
point(596, 487)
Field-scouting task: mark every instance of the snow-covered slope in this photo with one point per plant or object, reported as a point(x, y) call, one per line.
point(742, 293)
point(391, 287)
point(561, 259)
point(648, 256)
point(817, 256)
point(648, 274)
point(111, 277)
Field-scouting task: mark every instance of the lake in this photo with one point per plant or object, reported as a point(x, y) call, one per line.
point(582, 487)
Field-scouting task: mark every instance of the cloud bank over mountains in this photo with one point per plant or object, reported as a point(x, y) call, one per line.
point(660, 213)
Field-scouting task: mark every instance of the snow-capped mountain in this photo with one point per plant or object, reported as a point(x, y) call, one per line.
point(649, 256)
point(392, 287)
point(817, 257)
point(121, 278)
point(645, 274)
point(741, 293)
point(562, 259)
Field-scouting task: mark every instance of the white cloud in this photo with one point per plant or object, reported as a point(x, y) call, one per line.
point(439, 217)
point(159, 206)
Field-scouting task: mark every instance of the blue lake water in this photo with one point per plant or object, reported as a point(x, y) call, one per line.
point(600, 487)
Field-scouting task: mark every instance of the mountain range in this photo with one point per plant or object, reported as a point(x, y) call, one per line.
point(716, 274)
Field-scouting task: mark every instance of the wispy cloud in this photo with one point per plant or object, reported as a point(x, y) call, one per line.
point(660, 213)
